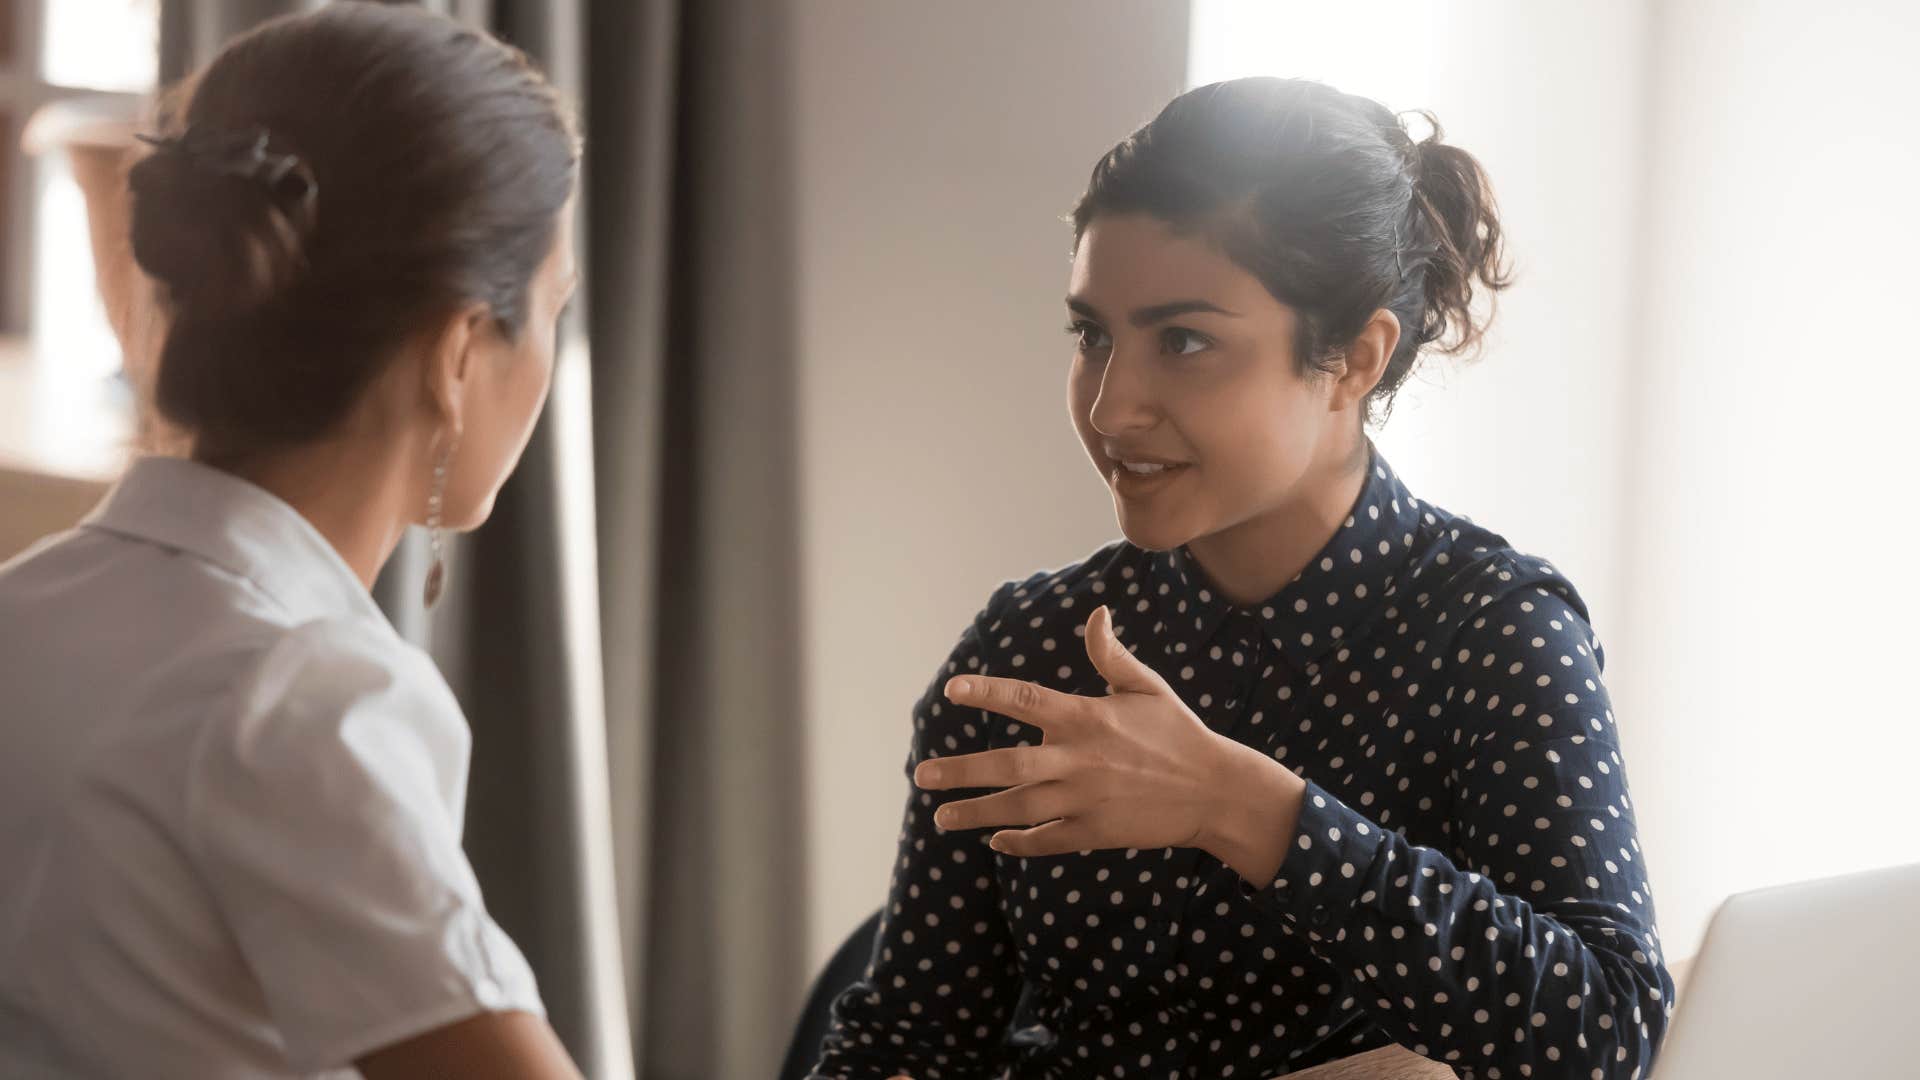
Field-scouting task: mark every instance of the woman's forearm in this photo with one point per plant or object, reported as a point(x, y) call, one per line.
point(1258, 812)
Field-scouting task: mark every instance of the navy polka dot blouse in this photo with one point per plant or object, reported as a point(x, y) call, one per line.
point(1465, 880)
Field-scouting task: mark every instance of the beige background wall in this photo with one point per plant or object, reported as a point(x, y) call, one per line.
point(1768, 656)
point(938, 146)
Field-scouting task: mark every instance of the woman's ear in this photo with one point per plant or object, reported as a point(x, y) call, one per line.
point(1366, 358)
point(450, 363)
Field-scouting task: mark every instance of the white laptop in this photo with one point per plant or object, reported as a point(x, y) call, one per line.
point(1805, 981)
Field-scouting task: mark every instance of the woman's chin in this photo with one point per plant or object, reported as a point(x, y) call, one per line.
point(1151, 532)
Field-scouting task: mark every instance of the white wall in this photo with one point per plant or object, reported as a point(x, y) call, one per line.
point(1769, 667)
point(938, 146)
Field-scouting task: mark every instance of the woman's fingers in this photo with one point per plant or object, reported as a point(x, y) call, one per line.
point(1123, 671)
point(1060, 837)
point(1028, 804)
point(1004, 768)
point(1048, 710)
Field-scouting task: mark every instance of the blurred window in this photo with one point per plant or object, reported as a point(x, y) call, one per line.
point(52, 50)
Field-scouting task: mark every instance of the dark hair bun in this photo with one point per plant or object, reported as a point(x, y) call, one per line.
point(332, 184)
point(223, 228)
point(1456, 201)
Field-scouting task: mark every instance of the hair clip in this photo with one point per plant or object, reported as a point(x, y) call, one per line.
point(243, 155)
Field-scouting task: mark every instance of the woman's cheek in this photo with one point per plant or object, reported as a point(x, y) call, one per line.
point(1260, 434)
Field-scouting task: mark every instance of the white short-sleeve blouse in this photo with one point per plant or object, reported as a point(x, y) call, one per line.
point(232, 800)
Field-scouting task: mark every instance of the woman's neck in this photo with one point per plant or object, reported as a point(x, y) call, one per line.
point(358, 494)
point(1251, 561)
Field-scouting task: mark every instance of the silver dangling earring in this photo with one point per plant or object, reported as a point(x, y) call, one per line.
point(436, 497)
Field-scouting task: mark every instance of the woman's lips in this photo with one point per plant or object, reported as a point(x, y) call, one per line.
point(1138, 479)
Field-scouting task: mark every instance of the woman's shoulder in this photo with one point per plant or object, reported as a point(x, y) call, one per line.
point(260, 694)
point(257, 712)
point(1471, 595)
point(327, 673)
point(1066, 594)
point(1460, 566)
point(329, 709)
point(253, 663)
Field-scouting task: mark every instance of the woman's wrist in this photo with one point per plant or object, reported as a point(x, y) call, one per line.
point(1256, 814)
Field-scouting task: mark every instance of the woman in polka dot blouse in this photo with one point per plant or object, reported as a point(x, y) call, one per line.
point(1305, 766)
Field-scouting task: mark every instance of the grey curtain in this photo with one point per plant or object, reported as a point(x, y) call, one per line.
point(726, 910)
point(623, 632)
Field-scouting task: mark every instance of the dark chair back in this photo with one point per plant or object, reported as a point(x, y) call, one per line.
point(849, 963)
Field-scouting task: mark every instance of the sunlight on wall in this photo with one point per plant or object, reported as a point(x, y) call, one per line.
point(1378, 48)
point(1671, 404)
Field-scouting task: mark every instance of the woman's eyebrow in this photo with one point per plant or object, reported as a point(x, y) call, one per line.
point(1147, 316)
point(1156, 313)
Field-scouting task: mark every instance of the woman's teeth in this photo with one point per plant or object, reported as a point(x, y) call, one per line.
point(1140, 468)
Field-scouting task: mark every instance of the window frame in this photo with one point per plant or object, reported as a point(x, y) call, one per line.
point(21, 93)
point(23, 90)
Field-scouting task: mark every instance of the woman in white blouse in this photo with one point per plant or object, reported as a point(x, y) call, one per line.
point(231, 795)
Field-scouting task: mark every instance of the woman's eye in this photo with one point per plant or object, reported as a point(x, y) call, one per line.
point(1088, 336)
point(1183, 342)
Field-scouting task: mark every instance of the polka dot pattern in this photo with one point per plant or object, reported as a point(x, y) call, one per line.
point(1466, 879)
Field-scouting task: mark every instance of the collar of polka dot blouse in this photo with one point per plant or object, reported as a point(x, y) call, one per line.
point(1338, 594)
